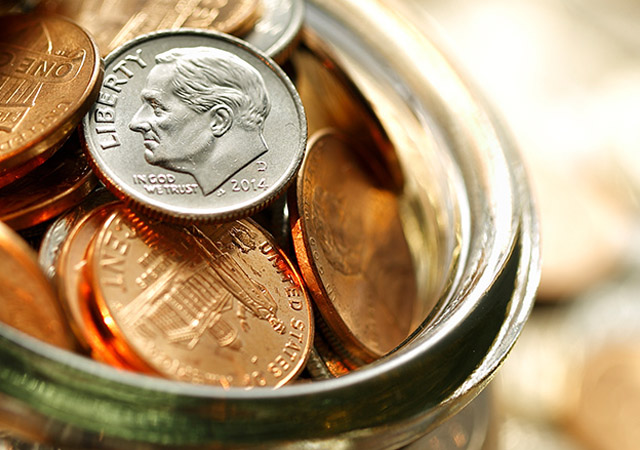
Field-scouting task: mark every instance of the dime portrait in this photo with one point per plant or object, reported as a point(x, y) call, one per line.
point(202, 113)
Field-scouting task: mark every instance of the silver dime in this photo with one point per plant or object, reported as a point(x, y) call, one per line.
point(195, 125)
point(278, 28)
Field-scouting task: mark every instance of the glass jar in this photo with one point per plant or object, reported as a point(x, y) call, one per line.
point(471, 226)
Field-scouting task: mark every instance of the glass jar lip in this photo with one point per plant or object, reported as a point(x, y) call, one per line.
point(373, 370)
point(517, 248)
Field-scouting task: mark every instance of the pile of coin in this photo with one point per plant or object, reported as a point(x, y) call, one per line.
point(172, 226)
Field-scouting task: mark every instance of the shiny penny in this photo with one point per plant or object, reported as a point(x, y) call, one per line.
point(105, 345)
point(115, 22)
point(27, 301)
point(60, 183)
point(218, 304)
point(606, 415)
point(195, 125)
point(49, 76)
point(352, 250)
point(69, 269)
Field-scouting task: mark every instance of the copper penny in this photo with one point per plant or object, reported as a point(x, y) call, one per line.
point(105, 345)
point(57, 185)
point(218, 304)
point(115, 22)
point(69, 269)
point(50, 74)
point(352, 251)
point(27, 301)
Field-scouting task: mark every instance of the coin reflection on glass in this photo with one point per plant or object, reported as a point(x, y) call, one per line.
point(49, 75)
point(27, 301)
point(114, 22)
point(58, 184)
point(352, 250)
point(218, 305)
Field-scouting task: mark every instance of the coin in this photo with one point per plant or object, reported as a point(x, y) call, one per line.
point(218, 304)
point(351, 249)
point(69, 269)
point(55, 186)
point(606, 415)
point(105, 345)
point(27, 301)
point(49, 75)
point(276, 31)
point(115, 22)
point(323, 364)
point(58, 231)
point(166, 135)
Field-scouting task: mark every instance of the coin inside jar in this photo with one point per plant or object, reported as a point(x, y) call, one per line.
point(351, 249)
point(195, 125)
point(27, 301)
point(219, 304)
point(55, 186)
point(114, 23)
point(69, 268)
point(276, 31)
point(49, 76)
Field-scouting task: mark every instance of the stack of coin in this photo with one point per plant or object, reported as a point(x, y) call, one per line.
point(50, 73)
point(193, 131)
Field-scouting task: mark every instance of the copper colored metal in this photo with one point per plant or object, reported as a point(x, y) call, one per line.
point(219, 304)
point(57, 185)
point(27, 301)
point(352, 250)
point(69, 269)
point(114, 22)
point(49, 76)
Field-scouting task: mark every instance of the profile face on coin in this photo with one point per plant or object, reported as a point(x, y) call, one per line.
point(195, 125)
point(201, 108)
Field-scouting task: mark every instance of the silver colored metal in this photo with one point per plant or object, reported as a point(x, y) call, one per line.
point(473, 428)
point(486, 267)
point(278, 27)
point(195, 125)
point(58, 231)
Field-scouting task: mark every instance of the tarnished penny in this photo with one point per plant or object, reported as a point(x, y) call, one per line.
point(60, 183)
point(49, 76)
point(195, 125)
point(115, 22)
point(276, 31)
point(27, 301)
point(352, 251)
point(218, 304)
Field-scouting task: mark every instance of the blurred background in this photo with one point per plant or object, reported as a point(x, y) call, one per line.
point(565, 77)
